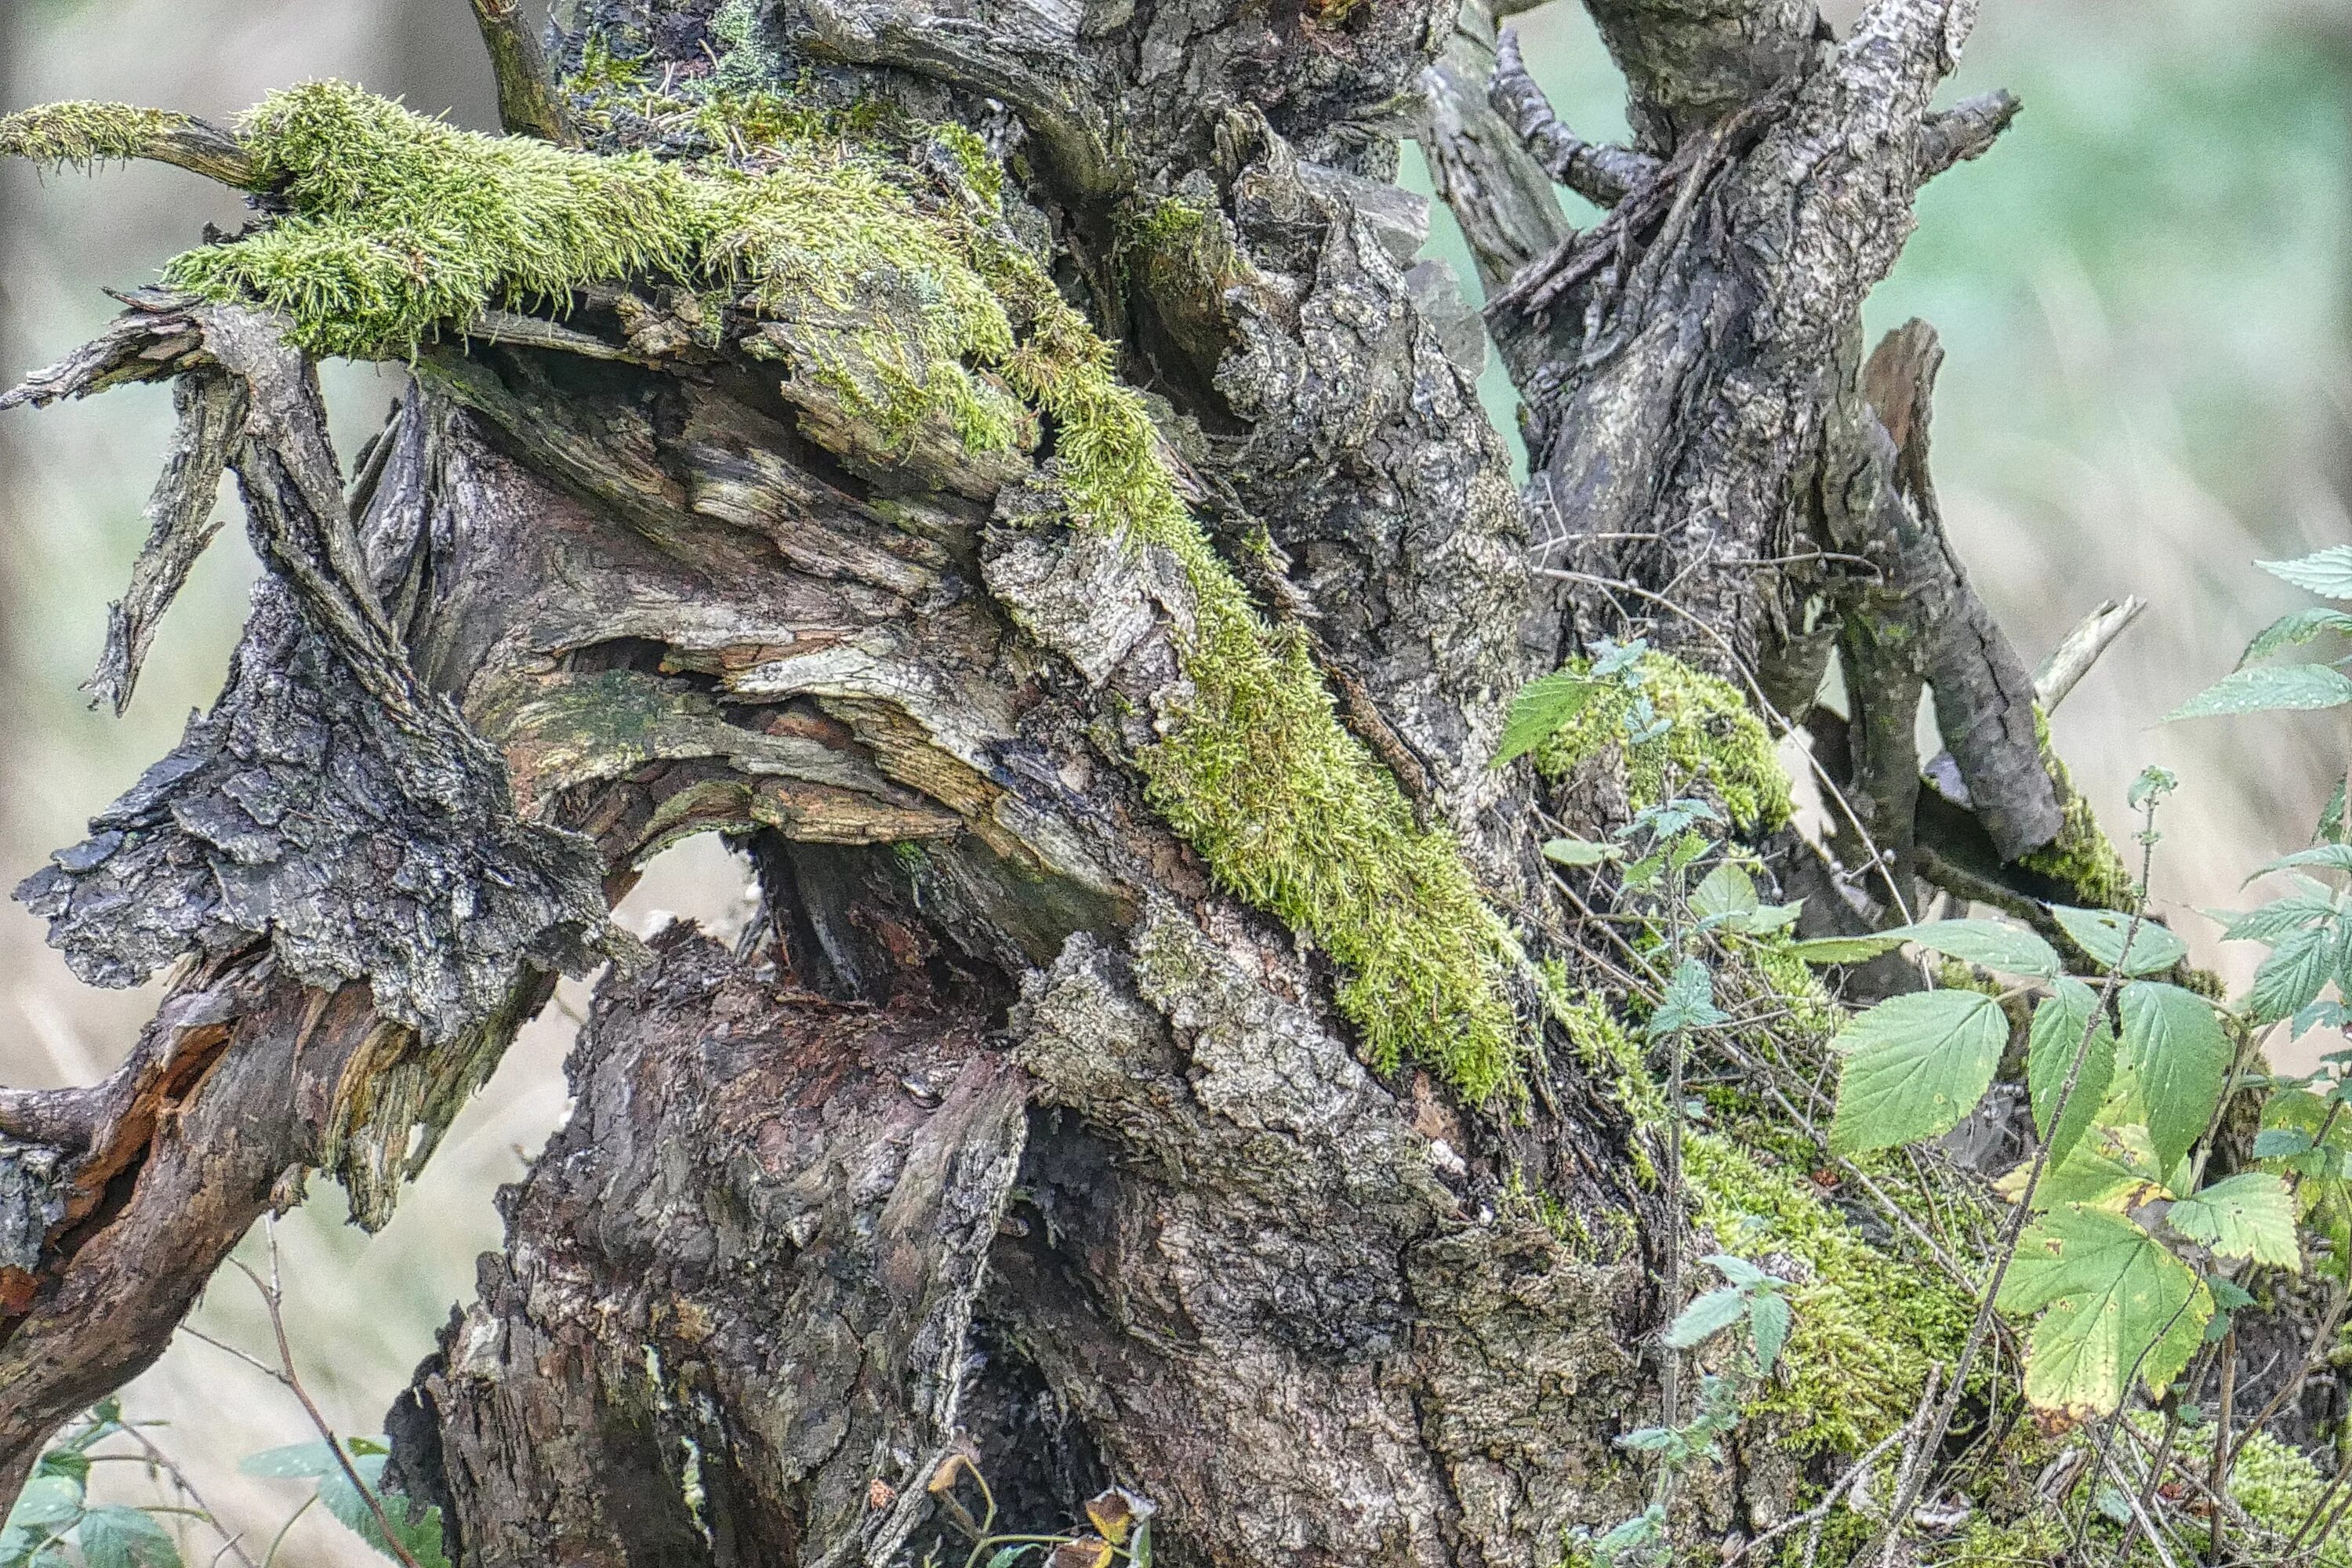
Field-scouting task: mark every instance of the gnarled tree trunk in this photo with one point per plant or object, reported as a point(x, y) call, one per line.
point(1054, 1115)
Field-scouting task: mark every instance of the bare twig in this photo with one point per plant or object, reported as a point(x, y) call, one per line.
point(273, 1299)
point(2079, 650)
point(161, 1460)
point(1838, 1489)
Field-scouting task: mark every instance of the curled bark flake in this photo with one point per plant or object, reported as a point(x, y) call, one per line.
point(328, 801)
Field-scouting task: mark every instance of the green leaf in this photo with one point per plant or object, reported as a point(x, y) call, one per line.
point(2292, 976)
point(2268, 689)
point(2011, 949)
point(2100, 933)
point(117, 1537)
point(1914, 1066)
point(2276, 919)
point(418, 1527)
point(1767, 1320)
point(2111, 1298)
point(2326, 857)
point(1577, 852)
point(2059, 1026)
point(1542, 708)
point(1006, 1556)
point(294, 1460)
point(2326, 573)
point(2248, 1216)
point(1725, 890)
point(2295, 629)
point(1707, 1317)
point(1842, 948)
point(1737, 1269)
point(1689, 1002)
point(2181, 1054)
point(2282, 1143)
point(48, 1502)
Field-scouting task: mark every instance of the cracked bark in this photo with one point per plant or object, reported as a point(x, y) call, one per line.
point(1006, 1132)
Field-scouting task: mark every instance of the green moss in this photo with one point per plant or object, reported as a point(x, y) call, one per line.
point(1606, 1052)
point(58, 134)
point(399, 226)
point(1165, 224)
point(1713, 742)
point(2082, 856)
point(1868, 1325)
point(2036, 1538)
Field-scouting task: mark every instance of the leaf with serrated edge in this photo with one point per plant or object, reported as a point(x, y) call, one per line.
point(2059, 1025)
point(2248, 1216)
point(2100, 933)
point(2293, 628)
point(2181, 1055)
point(2110, 1168)
point(2268, 689)
point(1542, 706)
point(2012, 949)
point(1706, 1318)
point(119, 1536)
point(1914, 1066)
point(2298, 967)
point(2111, 1298)
point(2326, 573)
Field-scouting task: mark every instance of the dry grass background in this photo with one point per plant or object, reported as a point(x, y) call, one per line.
point(2143, 293)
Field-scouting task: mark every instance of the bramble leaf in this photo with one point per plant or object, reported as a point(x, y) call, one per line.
point(1539, 711)
point(2101, 932)
point(2293, 628)
point(2326, 573)
point(2268, 689)
point(2012, 949)
point(2112, 1300)
point(1707, 1317)
point(2250, 1216)
point(2112, 1168)
point(117, 1537)
point(1577, 852)
point(2181, 1054)
point(2293, 975)
point(1689, 1002)
point(2059, 1026)
point(1914, 1066)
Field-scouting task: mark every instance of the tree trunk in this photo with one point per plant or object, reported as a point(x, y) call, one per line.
point(1132, 1082)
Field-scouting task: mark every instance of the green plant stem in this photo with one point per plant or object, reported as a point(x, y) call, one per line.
point(271, 1558)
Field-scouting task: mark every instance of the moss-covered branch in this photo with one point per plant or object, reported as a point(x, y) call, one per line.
point(78, 134)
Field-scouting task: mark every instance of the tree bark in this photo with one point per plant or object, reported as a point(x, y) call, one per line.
point(1011, 1136)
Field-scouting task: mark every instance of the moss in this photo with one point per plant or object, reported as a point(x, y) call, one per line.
point(399, 224)
point(1868, 1325)
point(2036, 1538)
point(1607, 1053)
point(1809, 1009)
point(1712, 739)
point(2082, 856)
point(1166, 223)
point(81, 133)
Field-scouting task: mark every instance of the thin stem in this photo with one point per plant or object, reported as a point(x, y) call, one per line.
point(162, 1461)
point(279, 1540)
point(2222, 1444)
point(272, 1300)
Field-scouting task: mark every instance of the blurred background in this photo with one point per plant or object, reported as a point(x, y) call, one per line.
point(2144, 292)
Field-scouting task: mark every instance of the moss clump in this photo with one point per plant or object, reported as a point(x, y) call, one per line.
point(1868, 1326)
point(59, 135)
point(2082, 856)
point(1712, 739)
point(398, 224)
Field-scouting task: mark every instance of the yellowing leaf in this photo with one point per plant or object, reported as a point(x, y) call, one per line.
point(2248, 1216)
point(1914, 1066)
point(2112, 1168)
point(2114, 1303)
